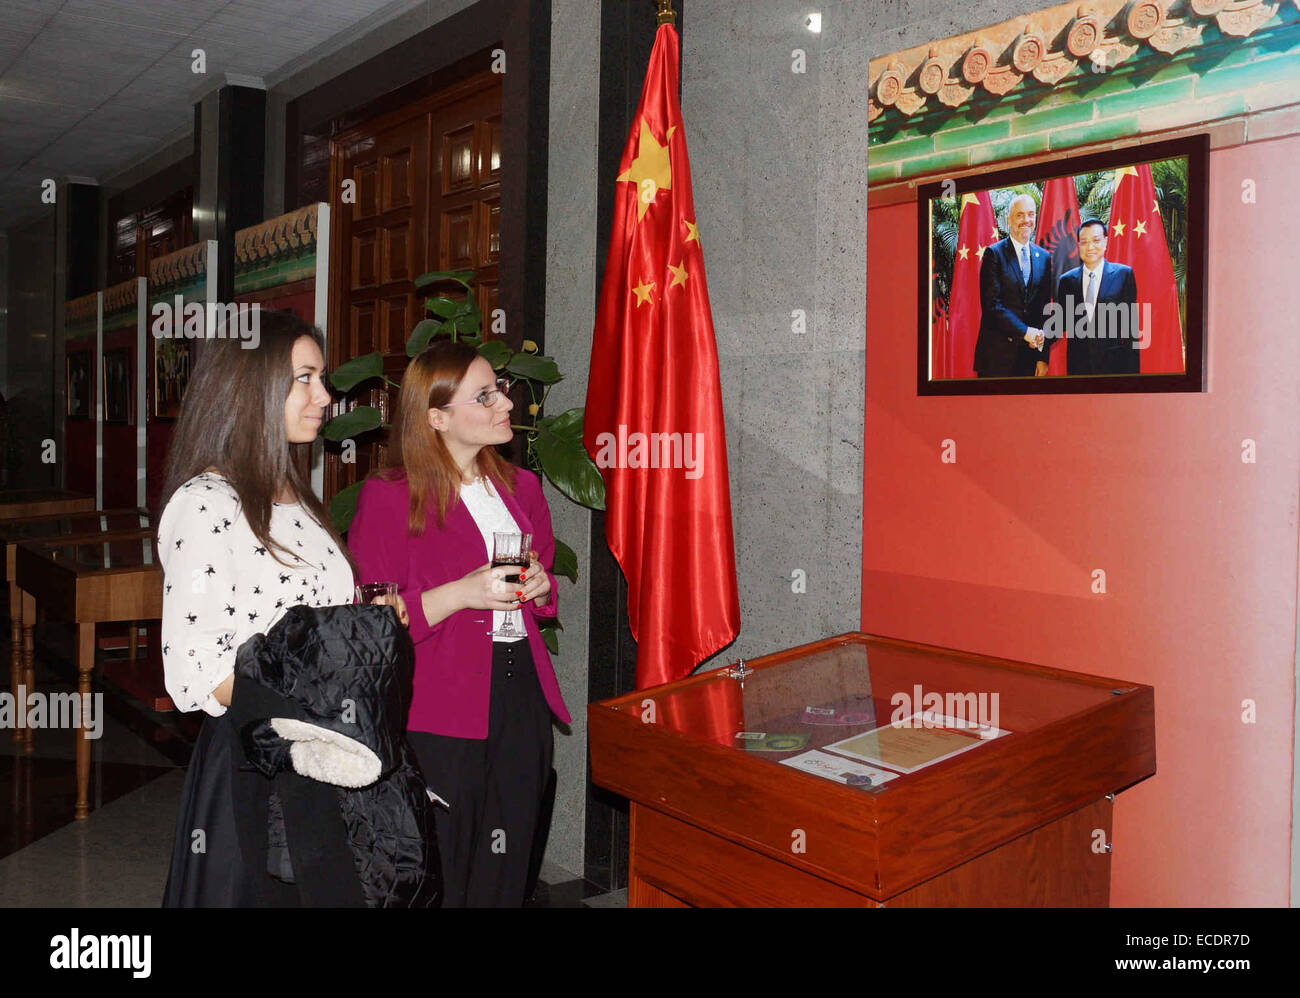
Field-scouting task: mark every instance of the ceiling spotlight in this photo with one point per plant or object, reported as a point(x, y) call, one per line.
point(813, 22)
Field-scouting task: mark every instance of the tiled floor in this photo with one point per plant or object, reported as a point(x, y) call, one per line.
point(118, 856)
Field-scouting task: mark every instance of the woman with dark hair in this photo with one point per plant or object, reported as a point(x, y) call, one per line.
point(242, 539)
point(480, 719)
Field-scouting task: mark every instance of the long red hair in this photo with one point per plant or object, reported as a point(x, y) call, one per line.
point(417, 450)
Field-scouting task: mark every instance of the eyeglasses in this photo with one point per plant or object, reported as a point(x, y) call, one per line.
point(486, 398)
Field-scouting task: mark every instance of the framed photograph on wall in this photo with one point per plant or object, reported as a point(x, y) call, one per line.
point(172, 362)
point(117, 386)
point(1081, 274)
point(80, 364)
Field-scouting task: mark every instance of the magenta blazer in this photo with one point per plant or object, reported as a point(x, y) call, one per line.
point(453, 659)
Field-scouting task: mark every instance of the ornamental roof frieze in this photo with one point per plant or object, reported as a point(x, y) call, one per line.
point(286, 234)
point(182, 267)
point(1044, 48)
point(122, 296)
point(81, 309)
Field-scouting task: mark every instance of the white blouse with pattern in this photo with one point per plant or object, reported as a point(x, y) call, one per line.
point(221, 586)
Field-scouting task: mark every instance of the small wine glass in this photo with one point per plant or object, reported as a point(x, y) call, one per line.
point(509, 549)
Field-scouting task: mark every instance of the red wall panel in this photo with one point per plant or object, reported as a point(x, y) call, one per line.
point(995, 553)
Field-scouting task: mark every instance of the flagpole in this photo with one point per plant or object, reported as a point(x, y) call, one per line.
point(666, 13)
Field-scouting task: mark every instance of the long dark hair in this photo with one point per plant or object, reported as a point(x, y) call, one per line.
point(416, 450)
point(232, 419)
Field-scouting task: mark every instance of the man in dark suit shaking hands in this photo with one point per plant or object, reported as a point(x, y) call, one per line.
point(1099, 308)
point(1015, 292)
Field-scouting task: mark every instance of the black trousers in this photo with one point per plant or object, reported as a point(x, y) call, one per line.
point(494, 785)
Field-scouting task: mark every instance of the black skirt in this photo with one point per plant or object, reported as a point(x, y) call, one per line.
point(211, 867)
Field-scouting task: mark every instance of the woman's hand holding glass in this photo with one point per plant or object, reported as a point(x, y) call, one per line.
point(486, 589)
point(534, 583)
point(384, 594)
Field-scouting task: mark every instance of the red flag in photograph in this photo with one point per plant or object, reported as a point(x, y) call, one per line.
point(1058, 228)
point(940, 352)
point(1137, 239)
point(653, 422)
point(976, 230)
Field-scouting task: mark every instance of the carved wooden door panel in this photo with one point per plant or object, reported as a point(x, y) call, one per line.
point(427, 197)
point(379, 250)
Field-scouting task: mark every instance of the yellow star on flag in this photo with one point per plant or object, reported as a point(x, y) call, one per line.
point(679, 274)
point(643, 292)
point(963, 252)
point(693, 231)
point(1140, 229)
point(1128, 171)
point(1155, 206)
point(651, 164)
point(1119, 228)
point(993, 235)
point(979, 254)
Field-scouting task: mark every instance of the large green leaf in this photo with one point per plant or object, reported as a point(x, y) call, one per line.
point(566, 462)
point(566, 562)
point(549, 635)
point(444, 307)
point(424, 331)
point(352, 372)
point(495, 352)
point(343, 507)
point(541, 369)
point(352, 423)
point(466, 326)
point(461, 277)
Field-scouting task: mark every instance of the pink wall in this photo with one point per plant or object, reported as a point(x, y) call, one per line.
point(995, 552)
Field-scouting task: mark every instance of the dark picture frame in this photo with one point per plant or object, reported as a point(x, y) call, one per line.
point(173, 361)
point(80, 377)
point(1194, 241)
point(117, 386)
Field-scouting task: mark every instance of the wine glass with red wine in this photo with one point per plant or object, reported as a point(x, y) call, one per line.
point(510, 550)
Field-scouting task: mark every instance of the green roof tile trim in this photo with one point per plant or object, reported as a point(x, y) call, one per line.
point(196, 290)
point(283, 271)
point(958, 138)
point(1097, 131)
point(993, 152)
point(1056, 117)
point(1215, 75)
point(280, 250)
point(1276, 69)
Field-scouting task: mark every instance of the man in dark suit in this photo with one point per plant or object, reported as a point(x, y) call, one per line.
point(1098, 302)
point(1015, 293)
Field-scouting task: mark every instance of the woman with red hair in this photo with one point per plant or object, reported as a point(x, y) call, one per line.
point(480, 720)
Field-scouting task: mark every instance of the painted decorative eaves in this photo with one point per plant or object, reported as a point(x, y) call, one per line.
point(178, 269)
point(260, 244)
point(277, 252)
point(121, 297)
point(1044, 48)
point(83, 309)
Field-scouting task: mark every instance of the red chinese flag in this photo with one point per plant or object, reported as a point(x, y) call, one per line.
point(976, 231)
point(941, 354)
point(1058, 228)
point(1137, 239)
point(653, 421)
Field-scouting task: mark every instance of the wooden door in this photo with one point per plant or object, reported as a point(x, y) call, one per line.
point(427, 182)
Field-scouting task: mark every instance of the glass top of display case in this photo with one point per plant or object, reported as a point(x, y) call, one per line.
point(865, 711)
point(115, 553)
point(73, 524)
